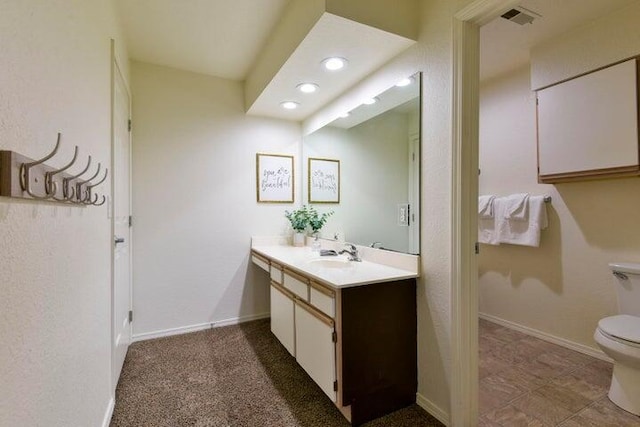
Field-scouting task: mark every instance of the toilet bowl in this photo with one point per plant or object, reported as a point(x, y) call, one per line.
point(619, 338)
point(625, 352)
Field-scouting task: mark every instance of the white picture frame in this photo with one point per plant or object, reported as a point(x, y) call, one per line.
point(275, 178)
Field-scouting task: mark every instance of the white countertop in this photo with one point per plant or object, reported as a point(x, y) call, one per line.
point(355, 274)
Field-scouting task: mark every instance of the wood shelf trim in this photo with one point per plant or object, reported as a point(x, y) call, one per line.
point(617, 172)
point(315, 312)
point(284, 290)
point(296, 276)
point(322, 289)
point(260, 257)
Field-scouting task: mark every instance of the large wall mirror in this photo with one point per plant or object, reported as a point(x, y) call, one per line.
point(365, 166)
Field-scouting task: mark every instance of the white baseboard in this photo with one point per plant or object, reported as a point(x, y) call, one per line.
point(433, 409)
point(199, 327)
point(109, 412)
point(581, 348)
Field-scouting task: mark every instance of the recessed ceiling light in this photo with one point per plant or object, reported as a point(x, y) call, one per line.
point(334, 63)
point(370, 101)
point(344, 115)
point(307, 87)
point(289, 105)
point(405, 82)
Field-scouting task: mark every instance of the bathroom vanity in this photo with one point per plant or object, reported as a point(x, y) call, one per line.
point(350, 325)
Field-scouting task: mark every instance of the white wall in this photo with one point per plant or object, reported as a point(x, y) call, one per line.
point(563, 287)
point(194, 199)
point(598, 43)
point(432, 55)
point(55, 272)
point(374, 179)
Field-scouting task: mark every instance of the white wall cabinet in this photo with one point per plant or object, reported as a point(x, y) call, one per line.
point(588, 126)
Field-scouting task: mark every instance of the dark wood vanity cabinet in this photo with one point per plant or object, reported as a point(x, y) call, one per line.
point(378, 346)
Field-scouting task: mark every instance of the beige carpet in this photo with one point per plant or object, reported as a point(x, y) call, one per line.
point(234, 376)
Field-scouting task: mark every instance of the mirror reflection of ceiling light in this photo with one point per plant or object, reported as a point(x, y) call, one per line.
point(370, 101)
point(289, 105)
point(307, 87)
point(334, 63)
point(405, 82)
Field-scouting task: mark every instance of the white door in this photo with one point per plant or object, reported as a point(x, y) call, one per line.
point(121, 232)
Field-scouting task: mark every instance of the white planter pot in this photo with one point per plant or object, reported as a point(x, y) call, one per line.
point(298, 239)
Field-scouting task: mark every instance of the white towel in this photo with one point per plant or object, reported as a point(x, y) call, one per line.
point(524, 232)
point(485, 206)
point(517, 207)
point(488, 227)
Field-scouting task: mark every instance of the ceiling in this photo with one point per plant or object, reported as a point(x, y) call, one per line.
point(227, 39)
point(221, 38)
point(505, 45)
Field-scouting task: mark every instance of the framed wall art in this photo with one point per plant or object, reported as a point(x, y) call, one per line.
point(324, 180)
point(274, 178)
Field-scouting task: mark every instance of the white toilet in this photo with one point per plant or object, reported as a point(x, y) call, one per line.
point(619, 337)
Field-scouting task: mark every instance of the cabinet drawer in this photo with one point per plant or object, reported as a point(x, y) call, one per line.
point(276, 273)
point(323, 299)
point(260, 261)
point(297, 284)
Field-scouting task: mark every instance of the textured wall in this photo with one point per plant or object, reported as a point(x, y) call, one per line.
point(598, 43)
point(563, 287)
point(432, 55)
point(194, 199)
point(55, 259)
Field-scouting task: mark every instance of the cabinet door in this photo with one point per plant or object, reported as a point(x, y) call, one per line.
point(588, 126)
point(315, 349)
point(282, 312)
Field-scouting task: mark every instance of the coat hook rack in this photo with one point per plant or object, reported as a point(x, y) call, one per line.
point(26, 178)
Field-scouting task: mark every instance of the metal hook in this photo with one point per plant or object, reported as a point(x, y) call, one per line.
point(87, 197)
point(95, 200)
point(88, 200)
point(49, 184)
point(25, 178)
point(69, 192)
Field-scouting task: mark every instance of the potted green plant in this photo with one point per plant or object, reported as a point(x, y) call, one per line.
point(299, 219)
point(317, 221)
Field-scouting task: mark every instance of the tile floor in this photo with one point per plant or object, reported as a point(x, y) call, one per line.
point(525, 381)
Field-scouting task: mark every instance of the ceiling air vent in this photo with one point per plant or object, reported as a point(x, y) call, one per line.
point(520, 15)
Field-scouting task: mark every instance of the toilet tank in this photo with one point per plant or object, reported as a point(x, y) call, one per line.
point(627, 279)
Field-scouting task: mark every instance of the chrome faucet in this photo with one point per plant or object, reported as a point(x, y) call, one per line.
point(352, 251)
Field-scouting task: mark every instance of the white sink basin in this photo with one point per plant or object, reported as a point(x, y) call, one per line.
point(330, 262)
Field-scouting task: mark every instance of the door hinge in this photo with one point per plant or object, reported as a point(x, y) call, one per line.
point(130, 316)
point(334, 336)
point(130, 220)
point(129, 125)
point(477, 248)
point(335, 386)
